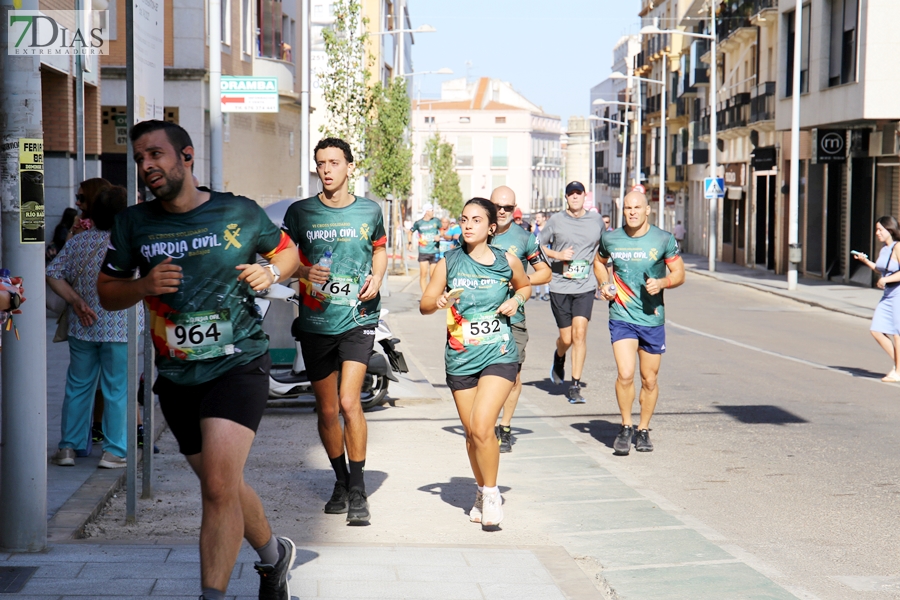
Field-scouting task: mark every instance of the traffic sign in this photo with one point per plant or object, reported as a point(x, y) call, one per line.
point(714, 187)
point(249, 94)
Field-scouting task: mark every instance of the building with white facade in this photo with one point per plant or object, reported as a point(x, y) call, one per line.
point(499, 138)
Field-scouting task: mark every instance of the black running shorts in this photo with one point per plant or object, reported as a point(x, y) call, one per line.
point(508, 371)
point(323, 354)
point(239, 395)
point(431, 259)
point(568, 306)
point(520, 334)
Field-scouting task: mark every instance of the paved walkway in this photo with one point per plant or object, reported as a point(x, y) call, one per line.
point(857, 301)
point(597, 533)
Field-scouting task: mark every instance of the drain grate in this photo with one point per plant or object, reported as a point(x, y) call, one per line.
point(13, 579)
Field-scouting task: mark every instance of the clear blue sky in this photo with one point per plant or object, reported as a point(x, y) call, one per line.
point(552, 52)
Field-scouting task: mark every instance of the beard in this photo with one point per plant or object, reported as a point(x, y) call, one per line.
point(168, 191)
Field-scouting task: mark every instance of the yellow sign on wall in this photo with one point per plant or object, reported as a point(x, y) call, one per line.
point(31, 190)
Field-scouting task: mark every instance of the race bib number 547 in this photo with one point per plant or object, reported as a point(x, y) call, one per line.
point(199, 335)
point(576, 269)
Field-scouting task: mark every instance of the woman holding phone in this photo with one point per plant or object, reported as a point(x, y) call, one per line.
point(886, 320)
point(473, 282)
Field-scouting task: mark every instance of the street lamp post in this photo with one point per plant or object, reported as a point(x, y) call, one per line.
point(593, 178)
point(624, 172)
point(713, 125)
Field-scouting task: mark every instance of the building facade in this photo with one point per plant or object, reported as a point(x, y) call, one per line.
point(499, 138)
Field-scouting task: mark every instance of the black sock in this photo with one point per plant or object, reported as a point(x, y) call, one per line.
point(356, 475)
point(339, 465)
point(576, 382)
point(211, 594)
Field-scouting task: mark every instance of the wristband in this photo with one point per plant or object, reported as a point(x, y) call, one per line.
point(519, 299)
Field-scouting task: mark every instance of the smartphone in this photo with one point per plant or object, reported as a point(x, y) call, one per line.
point(857, 252)
point(365, 286)
point(455, 293)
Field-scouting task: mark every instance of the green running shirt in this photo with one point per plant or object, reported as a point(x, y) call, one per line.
point(634, 259)
point(477, 335)
point(210, 325)
point(428, 235)
point(524, 246)
point(351, 234)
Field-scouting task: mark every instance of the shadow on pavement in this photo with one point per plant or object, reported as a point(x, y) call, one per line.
point(304, 556)
point(603, 431)
point(858, 372)
point(761, 414)
point(545, 385)
point(458, 492)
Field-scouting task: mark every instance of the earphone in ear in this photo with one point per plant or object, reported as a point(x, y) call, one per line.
point(187, 156)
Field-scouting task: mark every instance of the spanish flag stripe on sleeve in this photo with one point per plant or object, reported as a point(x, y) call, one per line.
point(382, 241)
point(283, 242)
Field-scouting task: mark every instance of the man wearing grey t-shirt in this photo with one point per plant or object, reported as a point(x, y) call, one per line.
point(574, 235)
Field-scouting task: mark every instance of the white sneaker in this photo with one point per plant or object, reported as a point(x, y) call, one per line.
point(64, 457)
point(111, 461)
point(492, 510)
point(475, 513)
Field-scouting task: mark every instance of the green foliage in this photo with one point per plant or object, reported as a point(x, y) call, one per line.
point(445, 189)
point(388, 151)
point(345, 81)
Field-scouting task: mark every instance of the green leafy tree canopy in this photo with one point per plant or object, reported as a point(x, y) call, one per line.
point(389, 153)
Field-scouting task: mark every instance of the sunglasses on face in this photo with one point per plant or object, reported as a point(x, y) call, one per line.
point(506, 208)
point(79, 197)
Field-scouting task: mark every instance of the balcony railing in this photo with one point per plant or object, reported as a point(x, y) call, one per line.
point(499, 161)
point(735, 15)
point(652, 104)
point(545, 161)
point(697, 73)
point(464, 161)
point(761, 5)
point(682, 107)
point(639, 60)
point(762, 103)
point(602, 175)
point(658, 43)
point(614, 179)
point(698, 157)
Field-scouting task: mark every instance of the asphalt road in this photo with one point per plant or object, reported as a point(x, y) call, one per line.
point(772, 430)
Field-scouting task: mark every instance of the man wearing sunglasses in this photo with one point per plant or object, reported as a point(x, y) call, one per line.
point(574, 234)
point(524, 246)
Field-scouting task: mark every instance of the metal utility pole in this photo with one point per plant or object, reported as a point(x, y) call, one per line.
point(638, 134)
point(216, 178)
point(305, 68)
point(713, 142)
point(79, 98)
point(793, 229)
point(23, 457)
point(661, 217)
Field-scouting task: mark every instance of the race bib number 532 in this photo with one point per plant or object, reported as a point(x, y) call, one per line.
point(485, 328)
point(199, 335)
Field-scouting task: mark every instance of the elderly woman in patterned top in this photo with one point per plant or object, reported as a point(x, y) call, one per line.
point(97, 338)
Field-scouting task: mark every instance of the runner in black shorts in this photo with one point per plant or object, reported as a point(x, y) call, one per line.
point(481, 356)
point(196, 254)
point(340, 309)
point(574, 235)
point(523, 245)
point(429, 229)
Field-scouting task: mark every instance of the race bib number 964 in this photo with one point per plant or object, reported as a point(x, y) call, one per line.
point(199, 335)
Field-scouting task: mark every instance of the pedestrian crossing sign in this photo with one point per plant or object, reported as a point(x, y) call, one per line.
point(715, 187)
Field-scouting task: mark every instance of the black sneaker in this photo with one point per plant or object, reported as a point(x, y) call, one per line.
point(622, 445)
point(642, 443)
point(97, 433)
point(558, 370)
point(340, 500)
point(273, 583)
point(574, 395)
point(359, 507)
point(504, 434)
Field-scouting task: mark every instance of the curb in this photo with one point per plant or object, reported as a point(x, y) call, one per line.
point(780, 293)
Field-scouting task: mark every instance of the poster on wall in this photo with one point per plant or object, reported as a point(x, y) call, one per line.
point(31, 190)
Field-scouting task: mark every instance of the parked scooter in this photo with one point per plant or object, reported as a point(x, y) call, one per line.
point(290, 381)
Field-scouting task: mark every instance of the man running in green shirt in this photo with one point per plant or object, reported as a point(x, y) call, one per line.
point(524, 246)
point(340, 309)
point(640, 254)
point(195, 251)
point(429, 229)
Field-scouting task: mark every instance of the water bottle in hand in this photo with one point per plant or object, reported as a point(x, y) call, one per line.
point(612, 289)
point(324, 262)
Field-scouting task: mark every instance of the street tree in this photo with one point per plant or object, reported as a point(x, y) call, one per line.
point(388, 151)
point(344, 81)
point(445, 188)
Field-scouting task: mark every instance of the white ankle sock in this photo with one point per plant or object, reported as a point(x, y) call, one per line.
point(491, 490)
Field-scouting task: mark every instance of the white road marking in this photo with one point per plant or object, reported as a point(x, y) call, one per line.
point(694, 563)
point(808, 363)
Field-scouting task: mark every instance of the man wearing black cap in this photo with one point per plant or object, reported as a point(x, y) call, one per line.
point(574, 235)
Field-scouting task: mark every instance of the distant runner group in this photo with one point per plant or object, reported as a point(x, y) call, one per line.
point(191, 256)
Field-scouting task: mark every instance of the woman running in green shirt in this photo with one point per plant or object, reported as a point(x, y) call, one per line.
point(481, 357)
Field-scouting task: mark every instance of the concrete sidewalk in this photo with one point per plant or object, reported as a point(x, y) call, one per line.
point(857, 301)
